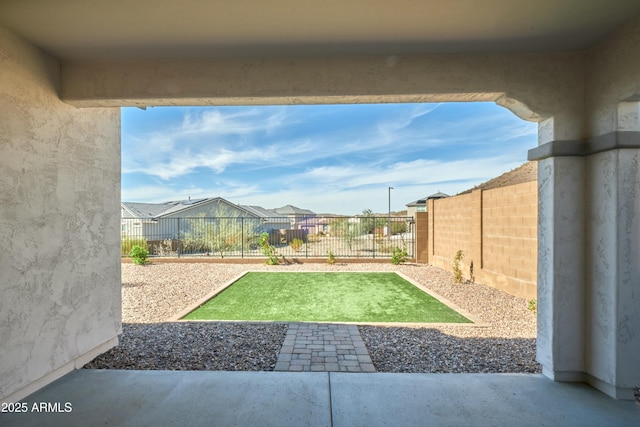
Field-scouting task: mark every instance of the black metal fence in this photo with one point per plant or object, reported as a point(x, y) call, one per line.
point(239, 237)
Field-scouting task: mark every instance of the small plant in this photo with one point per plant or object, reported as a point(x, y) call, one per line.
point(472, 277)
point(296, 244)
point(399, 256)
point(139, 255)
point(165, 248)
point(331, 260)
point(268, 250)
point(457, 272)
point(533, 305)
point(128, 243)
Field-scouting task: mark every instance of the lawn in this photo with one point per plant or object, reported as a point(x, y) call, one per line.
point(326, 297)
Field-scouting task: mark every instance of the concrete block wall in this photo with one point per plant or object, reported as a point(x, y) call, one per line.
point(509, 236)
point(452, 226)
point(497, 231)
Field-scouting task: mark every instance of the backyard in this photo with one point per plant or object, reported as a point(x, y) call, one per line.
point(155, 294)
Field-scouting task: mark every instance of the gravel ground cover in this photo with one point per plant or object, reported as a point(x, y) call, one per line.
point(157, 292)
point(195, 347)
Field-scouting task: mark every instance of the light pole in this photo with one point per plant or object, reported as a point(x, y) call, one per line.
point(389, 223)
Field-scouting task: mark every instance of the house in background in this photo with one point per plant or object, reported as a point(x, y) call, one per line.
point(170, 220)
point(420, 205)
point(270, 219)
point(295, 214)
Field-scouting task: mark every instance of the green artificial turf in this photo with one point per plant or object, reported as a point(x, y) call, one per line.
point(326, 297)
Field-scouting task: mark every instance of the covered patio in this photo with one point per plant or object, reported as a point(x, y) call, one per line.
point(171, 398)
point(66, 68)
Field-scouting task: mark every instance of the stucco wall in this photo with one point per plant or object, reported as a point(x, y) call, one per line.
point(59, 224)
point(612, 250)
point(613, 294)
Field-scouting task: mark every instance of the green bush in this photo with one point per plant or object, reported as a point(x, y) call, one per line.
point(139, 255)
point(331, 260)
point(127, 245)
point(399, 256)
point(268, 250)
point(533, 305)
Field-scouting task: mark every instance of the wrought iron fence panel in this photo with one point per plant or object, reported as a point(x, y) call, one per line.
point(302, 237)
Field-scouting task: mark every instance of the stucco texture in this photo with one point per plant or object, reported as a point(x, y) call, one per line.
point(59, 221)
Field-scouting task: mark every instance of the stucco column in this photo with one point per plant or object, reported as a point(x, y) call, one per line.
point(613, 272)
point(560, 343)
point(613, 257)
point(589, 257)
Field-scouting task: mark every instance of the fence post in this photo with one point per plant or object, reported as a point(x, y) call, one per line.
point(374, 236)
point(242, 237)
point(306, 244)
point(179, 239)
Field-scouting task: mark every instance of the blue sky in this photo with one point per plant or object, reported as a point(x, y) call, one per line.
point(327, 158)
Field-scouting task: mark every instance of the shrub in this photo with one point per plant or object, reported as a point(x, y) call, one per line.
point(296, 244)
point(139, 255)
point(268, 250)
point(164, 248)
point(457, 272)
point(127, 245)
point(217, 235)
point(399, 256)
point(533, 305)
point(398, 227)
point(331, 258)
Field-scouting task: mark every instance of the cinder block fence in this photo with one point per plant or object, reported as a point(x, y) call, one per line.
point(496, 230)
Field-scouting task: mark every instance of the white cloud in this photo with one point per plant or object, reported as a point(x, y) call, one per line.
point(229, 190)
point(417, 172)
point(255, 156)
point(236, 122)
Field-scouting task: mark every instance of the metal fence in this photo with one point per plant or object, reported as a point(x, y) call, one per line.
point(239, 237)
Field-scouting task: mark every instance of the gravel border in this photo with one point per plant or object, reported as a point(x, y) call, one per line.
point(157, 292)
point(195, 346)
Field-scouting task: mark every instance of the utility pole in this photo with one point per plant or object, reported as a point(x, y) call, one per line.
point(389, 223)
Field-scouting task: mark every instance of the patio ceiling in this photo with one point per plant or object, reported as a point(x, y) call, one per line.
point(79, 30)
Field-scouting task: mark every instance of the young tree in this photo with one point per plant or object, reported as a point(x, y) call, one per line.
point(219, 233)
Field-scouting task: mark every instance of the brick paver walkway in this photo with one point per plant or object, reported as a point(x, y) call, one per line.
point(323, 347)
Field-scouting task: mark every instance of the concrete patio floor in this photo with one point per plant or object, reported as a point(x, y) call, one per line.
point(220, 398)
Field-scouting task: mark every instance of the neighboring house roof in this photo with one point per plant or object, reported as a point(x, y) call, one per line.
point(292, 210)
point(260, 211)
point(265, 214)
point(144, 210)
point(527, 172)
point(420, 202)
point(159, 210)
